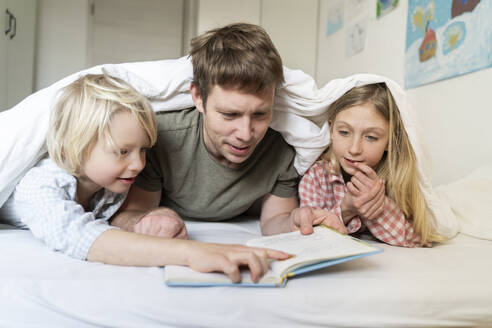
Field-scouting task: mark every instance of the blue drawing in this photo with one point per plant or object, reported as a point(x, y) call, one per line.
point(453, 37)
point(462, 41)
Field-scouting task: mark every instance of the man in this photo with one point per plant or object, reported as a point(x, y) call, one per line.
point(213, 161)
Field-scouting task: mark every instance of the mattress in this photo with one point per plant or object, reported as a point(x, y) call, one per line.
point(444, 286)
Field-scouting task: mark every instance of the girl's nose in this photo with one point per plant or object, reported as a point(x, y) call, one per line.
point(356, 146)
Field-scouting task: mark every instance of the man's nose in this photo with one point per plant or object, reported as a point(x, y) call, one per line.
point(245, 129)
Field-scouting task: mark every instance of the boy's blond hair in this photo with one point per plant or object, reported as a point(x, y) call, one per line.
point(399, 164)
point(83, 113)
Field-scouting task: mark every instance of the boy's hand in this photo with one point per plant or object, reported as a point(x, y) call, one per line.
point(366, 194)
point(207, 257)
point(162, 222)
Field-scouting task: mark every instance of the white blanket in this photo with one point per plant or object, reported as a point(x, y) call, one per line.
point(444, 286)
point(299, 115)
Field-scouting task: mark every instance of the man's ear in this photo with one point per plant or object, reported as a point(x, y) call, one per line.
point(197, 98)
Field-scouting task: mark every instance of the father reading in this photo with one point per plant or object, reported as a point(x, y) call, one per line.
point(214, 161)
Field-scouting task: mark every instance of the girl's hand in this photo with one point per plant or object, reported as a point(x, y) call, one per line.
point(366, 194)
point(305, 218)
point(329, 219)
point(226, 258)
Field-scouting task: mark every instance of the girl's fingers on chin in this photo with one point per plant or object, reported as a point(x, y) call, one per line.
point(367, 170)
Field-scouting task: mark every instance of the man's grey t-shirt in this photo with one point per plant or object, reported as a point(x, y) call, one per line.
point(196, 186)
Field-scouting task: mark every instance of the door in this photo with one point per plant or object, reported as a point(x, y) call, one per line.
point(4, 23)
point(17, 58)
point(128, 30)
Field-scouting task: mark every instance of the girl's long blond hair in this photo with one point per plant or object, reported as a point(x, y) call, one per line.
point(398, 167)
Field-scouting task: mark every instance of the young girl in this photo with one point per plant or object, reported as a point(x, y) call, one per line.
point(368, 175)
point(99, 132)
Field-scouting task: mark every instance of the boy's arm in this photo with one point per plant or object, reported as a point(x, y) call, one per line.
point(125, 248)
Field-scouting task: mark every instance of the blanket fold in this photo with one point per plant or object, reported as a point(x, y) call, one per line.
point(299, 115)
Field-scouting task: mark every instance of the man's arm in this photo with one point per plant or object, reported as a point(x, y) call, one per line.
point(137, 203)
point(275, 214)
point(140, 213)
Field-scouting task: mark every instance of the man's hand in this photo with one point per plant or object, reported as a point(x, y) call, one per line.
point(207, 257)
point(366, 194)
point(162, 222)
point(305, 218)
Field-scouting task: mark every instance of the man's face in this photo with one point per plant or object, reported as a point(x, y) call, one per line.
point(234, 122)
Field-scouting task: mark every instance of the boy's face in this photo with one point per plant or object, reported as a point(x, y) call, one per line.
point(234, 122)
point(116, 169)
point(359, 134)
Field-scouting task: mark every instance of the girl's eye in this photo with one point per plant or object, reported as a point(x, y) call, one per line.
point(343, 132)
point(143, 150)
point(123, 152)
point(372, 138)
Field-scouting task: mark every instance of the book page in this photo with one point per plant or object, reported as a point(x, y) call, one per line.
point(323, 244)
point(182, 274)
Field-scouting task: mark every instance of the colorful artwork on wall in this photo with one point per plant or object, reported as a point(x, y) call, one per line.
point(335, 18)
point(355, 37)
point(384, 7)
point(446, 38)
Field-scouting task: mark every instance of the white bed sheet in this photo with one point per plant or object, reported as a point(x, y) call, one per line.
point(448, 285)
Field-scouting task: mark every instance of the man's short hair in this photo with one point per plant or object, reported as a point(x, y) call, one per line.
point(237, 56)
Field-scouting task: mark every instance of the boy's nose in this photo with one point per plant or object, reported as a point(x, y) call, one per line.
point(137, 162)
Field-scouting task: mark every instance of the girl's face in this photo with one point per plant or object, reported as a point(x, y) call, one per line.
point(112, 169)
point(359, 134)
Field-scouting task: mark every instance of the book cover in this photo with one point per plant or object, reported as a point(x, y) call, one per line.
point(324, 247)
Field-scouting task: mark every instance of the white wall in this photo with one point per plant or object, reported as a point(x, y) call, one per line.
point(291, 24)
point(62, 36)
point(215, 13)
point(455, 114)
point(293, 28)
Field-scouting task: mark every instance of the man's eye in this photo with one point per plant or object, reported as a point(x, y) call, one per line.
point(260, 116)
point(229, 115)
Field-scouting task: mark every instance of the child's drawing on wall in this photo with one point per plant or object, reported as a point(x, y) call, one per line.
point(446, 39)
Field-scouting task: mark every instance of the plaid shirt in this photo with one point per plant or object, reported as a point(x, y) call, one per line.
point(321, 189)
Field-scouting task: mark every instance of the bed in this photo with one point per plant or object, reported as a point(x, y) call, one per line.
point(449, 285)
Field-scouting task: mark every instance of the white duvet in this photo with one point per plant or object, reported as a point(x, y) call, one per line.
point(299, 115)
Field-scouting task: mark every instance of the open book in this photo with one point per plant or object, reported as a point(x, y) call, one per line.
point(324, 247)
